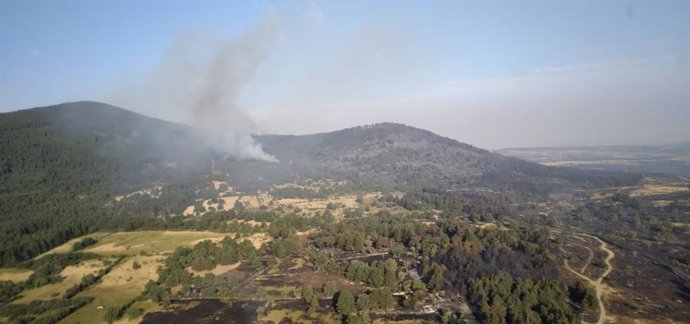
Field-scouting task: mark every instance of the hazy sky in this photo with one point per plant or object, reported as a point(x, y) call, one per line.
point(492, 74)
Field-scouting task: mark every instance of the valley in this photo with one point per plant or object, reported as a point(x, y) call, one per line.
point(267, 283)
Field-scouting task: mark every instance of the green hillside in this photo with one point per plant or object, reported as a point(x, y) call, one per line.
point(61, 168)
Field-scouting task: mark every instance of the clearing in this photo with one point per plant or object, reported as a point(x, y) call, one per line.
point(653, 189)
point(217, 271)
point(67, 247)
point(152, 242)
point(72, 274)
point(117, 288)
point(14, 274)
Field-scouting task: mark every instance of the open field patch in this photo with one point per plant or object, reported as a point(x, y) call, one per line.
point(656, 189)
point(218, 270)
point(154, 192)
point(68, 246)
point(297, 316)
point(257, 239)
point(306, 206)
point(14, 274)
point(118, 287)
point(72, 275)
point(132, 243)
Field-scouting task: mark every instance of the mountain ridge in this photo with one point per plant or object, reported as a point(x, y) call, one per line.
point(392, 153)
point(61, 170)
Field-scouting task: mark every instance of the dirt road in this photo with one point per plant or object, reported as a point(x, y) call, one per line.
point(598, 285)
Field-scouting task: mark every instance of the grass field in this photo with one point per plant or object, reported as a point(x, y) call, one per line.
point(132, 243)
point(218, 270)
point(122, 283)
point(72, 274)
point(651, 189)
point(152, 242)
point(67, 247)
point(14, 274)
point(116, 288)
point(277, 315)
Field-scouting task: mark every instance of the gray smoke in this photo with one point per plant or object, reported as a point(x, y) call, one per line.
point(199, 81)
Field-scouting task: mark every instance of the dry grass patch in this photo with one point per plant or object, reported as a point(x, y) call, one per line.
point(153, 192)
point(250, 222)
point(14, 274)
point(72, 275)
point(67, 247)
point(218, 270)
point(257, 239)
point(217, 184)
point(656, 189)
point(298, 263)
point(661, 203)
point(189, 211)
point(308, 206)
point(152, 242)
point(118, 287)
point(296, 316)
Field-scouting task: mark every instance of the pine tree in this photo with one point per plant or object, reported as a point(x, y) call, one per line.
point(345, 303)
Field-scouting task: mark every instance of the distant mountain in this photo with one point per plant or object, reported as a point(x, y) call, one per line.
point(98, 148)
point(669, 159)
point(408, 156)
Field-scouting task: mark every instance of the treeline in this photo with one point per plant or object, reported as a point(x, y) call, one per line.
point(90, 279)
point(522, 251)
point(84, 244)
point(31, 236)
point(46, 270)
point(379, 274)
point(204, 255)
point(500, 299)
point(353, 309)
point(485, 207)
point(53, 310)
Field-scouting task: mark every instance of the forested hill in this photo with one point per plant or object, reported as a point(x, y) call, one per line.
point(92, 147)
point(412, 157)
point(62, 166)
point(95, 148)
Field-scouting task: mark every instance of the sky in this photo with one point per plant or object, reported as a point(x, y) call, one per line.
point(494, 74)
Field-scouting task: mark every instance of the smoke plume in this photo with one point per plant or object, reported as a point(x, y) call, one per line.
point(199, 81)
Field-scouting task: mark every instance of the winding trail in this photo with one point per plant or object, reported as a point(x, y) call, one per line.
point(589, 259)
point(598, 285)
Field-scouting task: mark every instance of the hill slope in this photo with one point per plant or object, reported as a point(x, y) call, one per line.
point(407, 156)
point(62, 166)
